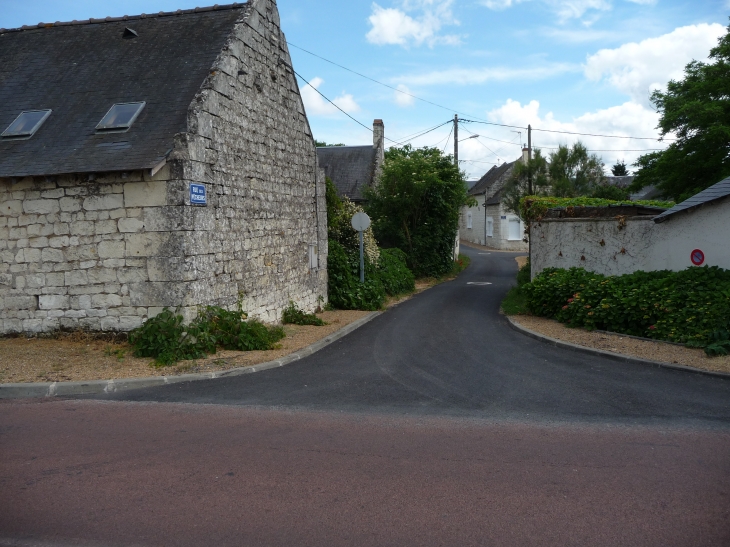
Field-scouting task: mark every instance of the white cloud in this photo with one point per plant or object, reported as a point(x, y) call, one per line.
point(564, 9)
point(628, 119)
point(315, 105)
point(401, 99)
point(395, 26)
point(644, 2)
point(636, 69)
point(470, 76)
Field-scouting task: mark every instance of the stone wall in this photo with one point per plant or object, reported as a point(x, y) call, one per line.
point(106, 252)
point(614, 247)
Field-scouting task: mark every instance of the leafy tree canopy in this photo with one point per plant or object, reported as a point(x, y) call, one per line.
point(566, 172)
point(322, 144)
point(697, 110)
point(619, 169)
point(415, 206)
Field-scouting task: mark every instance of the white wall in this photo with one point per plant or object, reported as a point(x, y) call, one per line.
point(602, 246)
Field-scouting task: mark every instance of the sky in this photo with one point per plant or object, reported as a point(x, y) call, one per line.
point(580, 66)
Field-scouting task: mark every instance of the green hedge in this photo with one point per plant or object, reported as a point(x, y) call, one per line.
point(691, 306)
point(390, 276)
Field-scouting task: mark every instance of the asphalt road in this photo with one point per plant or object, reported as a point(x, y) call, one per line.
point(434, 424)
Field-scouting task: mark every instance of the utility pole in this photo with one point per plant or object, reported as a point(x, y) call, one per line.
point(456, 140)
point(529, 157)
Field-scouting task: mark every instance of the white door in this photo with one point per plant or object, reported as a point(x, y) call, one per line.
point(468, 220)
point(490, 227)
point(514, 229)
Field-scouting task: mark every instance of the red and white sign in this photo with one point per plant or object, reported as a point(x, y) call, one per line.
point(697, 257)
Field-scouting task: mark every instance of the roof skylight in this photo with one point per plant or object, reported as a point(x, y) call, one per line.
point(121, 116)
point(26, 124)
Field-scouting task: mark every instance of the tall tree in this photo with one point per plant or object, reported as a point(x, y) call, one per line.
point(415, 206)
point(697, 110)
point(573, 172)
point(518, 185)
point(619, 169)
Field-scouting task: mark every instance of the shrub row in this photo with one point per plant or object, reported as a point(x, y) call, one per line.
point(691, 306)
point(390, 276)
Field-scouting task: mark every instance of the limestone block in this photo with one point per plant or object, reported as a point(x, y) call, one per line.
point(164, 219)
point(35, 281)
point(145, 194)
point(132, 275)
point(130, 225)
point(53, 194)
point(21, 302)
point(117, 213)
point(33, 325)
point(74, 314)
point(82, 228)
point(38, 242)
point(6, 279)
point(154, 244)
point(28, 255)
point(53, 302)
point(111, 249)
point(58, 242)
point(113, 263)
point(106, 301)
point(102, 275)
point(40, 206)
point(102, 227)
point(55, 279)
point(12, 208)
point(105, 202)
point(76, 277)
point(109, 323)
point(96, 313)
point(157, 294)
point(84, 302)
point(129, 322)
point(18, 233)
point(86, 264)
point(61, 228)
point(69, 204)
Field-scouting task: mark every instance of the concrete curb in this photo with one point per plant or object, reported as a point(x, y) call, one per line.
point(61, 389)
point(610, 355)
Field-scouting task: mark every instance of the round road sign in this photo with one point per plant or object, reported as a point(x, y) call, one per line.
point(360, 221)
point(697, 257)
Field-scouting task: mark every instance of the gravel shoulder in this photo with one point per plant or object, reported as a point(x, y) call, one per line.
point(79, 356)
point(624, 345)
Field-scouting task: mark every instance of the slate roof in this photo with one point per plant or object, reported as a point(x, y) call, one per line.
point(713, 193)
point(351, 168)
point(80, 69)
point(489, 178)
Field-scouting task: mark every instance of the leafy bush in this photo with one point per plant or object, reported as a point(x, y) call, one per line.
point(523, 275)
point(345, 290)
point(416, 205)
point(166, 339)
point(394, 274)
point(691, 306)
point(294, 316)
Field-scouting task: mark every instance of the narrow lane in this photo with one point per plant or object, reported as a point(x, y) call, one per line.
point(448, 350)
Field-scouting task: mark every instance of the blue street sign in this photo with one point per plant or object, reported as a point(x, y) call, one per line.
point(197, 194)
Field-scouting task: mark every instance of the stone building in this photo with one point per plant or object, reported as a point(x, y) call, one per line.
point(489, 223)
point(353, 168)
point(150, 161)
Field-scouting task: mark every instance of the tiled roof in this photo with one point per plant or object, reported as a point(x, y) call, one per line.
point(80, 69)
point(351, 168)
point(713, 193)
point(489, 178)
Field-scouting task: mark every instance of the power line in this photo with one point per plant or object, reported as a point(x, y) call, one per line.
point(338, 108)
point(476, 120)
point(447, 139)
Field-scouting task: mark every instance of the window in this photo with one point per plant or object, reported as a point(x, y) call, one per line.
point(468, 220)
point(490, 227)
point(120, 116)
point(514, 229)
point(313, 256)
point(26, 124)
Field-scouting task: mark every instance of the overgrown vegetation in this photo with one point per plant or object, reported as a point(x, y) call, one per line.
point(415, 207)
point(167, 339)
point(534, 207)
point(293, 315)
point(691, 306)
point(515, 301)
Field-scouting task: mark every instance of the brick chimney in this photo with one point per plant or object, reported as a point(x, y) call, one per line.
point(378, 145)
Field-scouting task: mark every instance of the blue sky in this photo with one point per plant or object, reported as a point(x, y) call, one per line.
point(584, 66)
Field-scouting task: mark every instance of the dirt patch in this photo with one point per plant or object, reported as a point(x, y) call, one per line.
point(78, 357)
point(616, 343)
point(521, 261)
